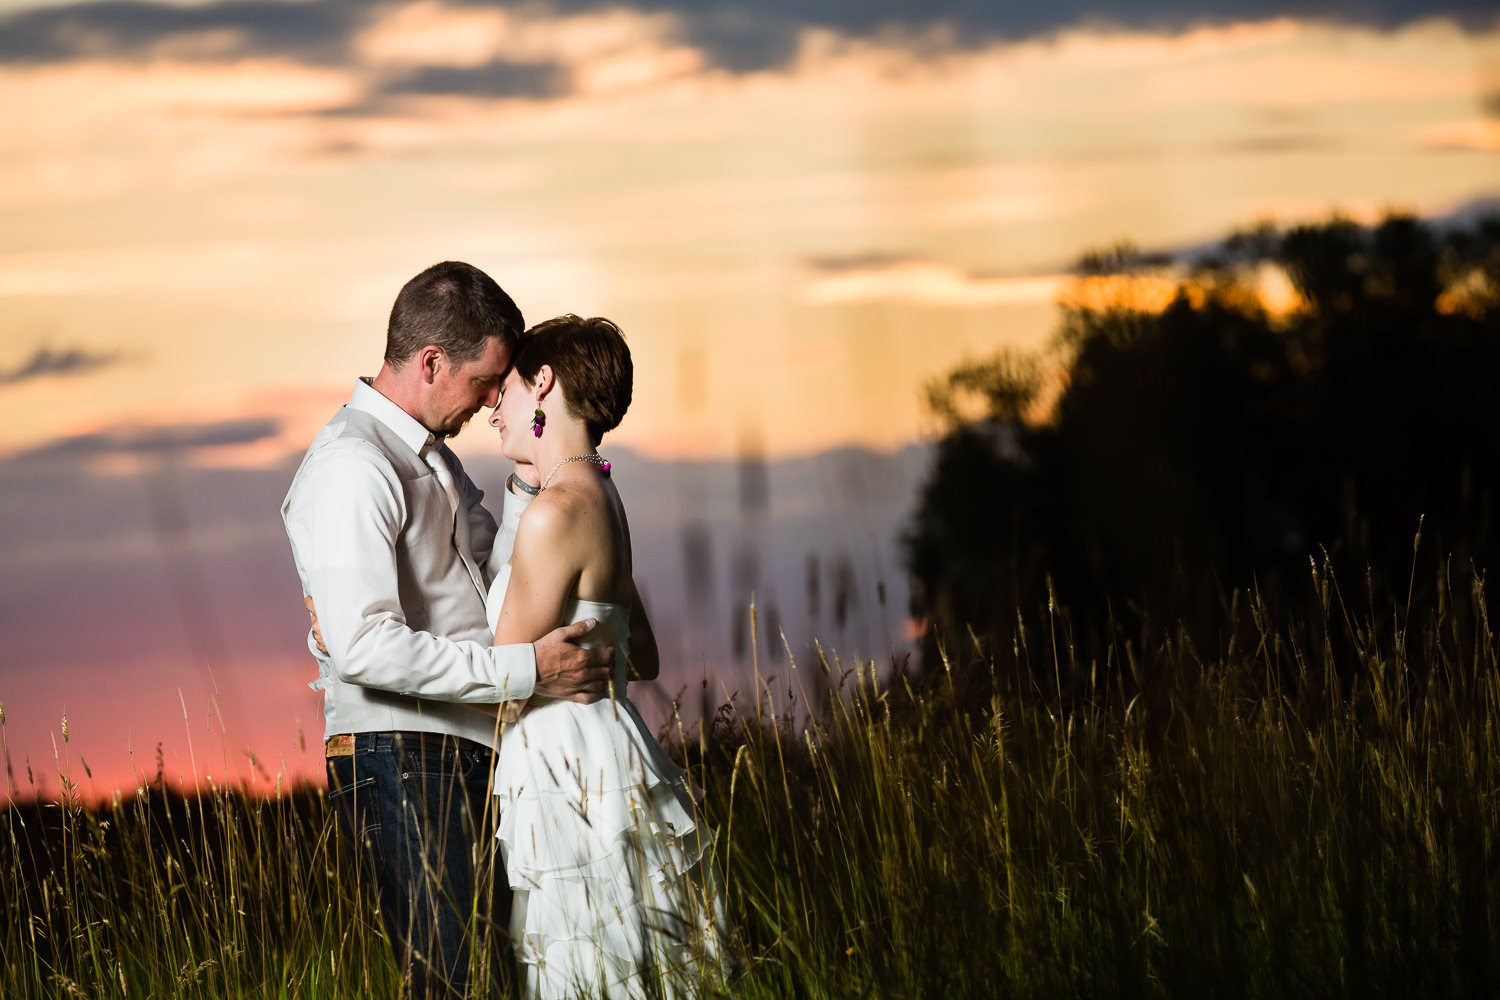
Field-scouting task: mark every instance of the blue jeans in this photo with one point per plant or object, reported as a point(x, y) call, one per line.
point(419, 809)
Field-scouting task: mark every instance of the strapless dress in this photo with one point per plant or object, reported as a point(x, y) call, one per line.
point(615, 891)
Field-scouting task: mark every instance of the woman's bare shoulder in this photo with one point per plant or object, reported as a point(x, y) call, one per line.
point(546, 517)
point(562, 509)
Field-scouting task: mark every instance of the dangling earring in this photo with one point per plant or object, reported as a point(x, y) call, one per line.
point(538, 422)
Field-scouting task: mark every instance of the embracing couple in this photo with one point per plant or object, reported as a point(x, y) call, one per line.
point(474, 674)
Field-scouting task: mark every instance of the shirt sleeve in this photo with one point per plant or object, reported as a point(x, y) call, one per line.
point(505, 541)
point(344, 517)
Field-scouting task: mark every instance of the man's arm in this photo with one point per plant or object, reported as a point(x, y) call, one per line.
point(558, 668)
point(563, 670)
point(345, 515)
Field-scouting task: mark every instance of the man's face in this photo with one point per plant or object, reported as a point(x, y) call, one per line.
point(457, 393)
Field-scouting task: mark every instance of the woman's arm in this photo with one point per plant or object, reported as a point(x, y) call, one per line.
point(544, 571)
point(645, 659)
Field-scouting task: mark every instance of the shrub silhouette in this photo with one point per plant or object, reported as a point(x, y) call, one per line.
point(1314, 391)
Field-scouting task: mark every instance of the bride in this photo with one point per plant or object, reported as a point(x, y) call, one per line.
point(614, 890)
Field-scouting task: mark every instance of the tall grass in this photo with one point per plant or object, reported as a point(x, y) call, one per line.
point(1310, 810)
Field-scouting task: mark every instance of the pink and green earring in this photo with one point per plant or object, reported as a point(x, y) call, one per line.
point(538, 422)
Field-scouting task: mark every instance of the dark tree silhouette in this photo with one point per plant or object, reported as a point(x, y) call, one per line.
point(1215, 439)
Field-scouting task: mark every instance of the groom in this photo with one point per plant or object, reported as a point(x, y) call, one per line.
point(393, 547)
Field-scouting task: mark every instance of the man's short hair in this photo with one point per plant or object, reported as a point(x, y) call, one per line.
point(451, 305)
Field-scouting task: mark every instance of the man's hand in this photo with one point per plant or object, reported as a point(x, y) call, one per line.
point(570, 672)
point(317, 632)
point(526, 473)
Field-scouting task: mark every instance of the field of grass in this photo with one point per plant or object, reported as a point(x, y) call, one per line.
point(1308, 809)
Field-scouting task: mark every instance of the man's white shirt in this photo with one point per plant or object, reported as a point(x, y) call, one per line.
point(376, 544)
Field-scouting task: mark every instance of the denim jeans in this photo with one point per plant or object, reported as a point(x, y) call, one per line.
point(419, 809)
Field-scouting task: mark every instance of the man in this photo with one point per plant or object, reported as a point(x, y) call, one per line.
point(393, 547)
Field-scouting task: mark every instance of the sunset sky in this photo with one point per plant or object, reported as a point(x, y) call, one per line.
point(798, 218)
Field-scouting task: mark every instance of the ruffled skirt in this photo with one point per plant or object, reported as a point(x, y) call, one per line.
point(615, 891)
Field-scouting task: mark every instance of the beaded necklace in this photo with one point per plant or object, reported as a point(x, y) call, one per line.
point(593, 459)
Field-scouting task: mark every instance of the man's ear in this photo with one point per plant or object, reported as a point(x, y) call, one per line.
point(430, 360)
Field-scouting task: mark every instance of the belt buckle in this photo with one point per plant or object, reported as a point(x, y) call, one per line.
point(341, 745)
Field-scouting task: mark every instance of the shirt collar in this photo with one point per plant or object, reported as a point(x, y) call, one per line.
point(371, 400)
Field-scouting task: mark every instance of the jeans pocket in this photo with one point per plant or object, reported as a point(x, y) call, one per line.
point(438, 797)
point(427, 766)
point(477, 764)
point(354, 802)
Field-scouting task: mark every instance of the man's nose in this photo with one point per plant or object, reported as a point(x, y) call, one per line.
point(492, 395)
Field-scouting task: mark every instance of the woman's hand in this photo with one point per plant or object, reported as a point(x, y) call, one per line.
point(526, 473)
point(645, 659)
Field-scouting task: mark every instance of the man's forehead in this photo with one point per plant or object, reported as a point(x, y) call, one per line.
point(495, 361)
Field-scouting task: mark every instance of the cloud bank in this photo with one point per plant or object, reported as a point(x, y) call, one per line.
point(478, 55)
point(174, 441)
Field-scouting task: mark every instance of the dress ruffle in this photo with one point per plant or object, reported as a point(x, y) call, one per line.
point(613, 875)
point(611, 869)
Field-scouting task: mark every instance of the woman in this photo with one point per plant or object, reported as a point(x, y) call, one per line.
point(614, 893)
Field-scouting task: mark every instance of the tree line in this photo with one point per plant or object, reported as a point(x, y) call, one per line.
point(1203, 428)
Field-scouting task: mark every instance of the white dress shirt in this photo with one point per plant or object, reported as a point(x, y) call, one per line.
point(398, 579)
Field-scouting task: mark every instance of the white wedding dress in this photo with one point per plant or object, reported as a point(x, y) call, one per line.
point(615, 894)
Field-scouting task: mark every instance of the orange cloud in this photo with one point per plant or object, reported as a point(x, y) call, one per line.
point(215, 266)
point(1312, 65)
point(1481, 134)
point(605, 52)
point(244, 87)
point(1268, 289)
point(433, 34)
point(924, 283)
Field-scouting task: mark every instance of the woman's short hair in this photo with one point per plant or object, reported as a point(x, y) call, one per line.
point(590, 361)
point(455, 306)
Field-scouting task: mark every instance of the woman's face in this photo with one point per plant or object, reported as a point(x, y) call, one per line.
point(512, 418)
